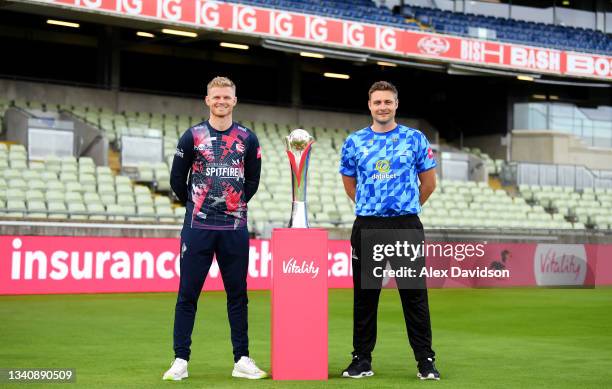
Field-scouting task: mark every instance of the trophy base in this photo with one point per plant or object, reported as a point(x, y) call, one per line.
point(299, 215)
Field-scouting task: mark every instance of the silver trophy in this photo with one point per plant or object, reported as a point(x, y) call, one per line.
point(298, 150)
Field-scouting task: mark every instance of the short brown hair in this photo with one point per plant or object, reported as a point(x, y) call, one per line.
point(220, 82)
point(382, 85)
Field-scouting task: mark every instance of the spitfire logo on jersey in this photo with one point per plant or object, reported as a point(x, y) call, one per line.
point(383, 167)
point(223, 171)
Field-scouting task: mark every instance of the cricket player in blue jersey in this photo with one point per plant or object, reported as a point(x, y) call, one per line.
point(215, 172)
point(380, 165)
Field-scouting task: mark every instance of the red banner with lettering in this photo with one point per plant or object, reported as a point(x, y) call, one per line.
point(47, 264)
point(325, 31)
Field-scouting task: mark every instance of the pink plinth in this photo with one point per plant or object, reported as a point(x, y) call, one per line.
point(299, 304)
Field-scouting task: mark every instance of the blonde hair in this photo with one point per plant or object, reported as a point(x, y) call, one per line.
point(220, 82)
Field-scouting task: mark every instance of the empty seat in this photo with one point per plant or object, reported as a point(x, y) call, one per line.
point(57, 210)
point(77, 211)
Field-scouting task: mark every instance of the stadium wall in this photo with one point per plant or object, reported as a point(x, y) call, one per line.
point(555, 147)
point(491, 144)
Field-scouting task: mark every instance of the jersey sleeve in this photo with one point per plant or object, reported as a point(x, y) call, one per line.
point(252, 167)
point(181, 164)
point(425, 158)
point(348, 165)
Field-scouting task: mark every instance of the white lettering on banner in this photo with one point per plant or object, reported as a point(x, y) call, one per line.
point(160, 265)
point(133, 7)
point(265, 259)
point(16, 259)
point(37, 264)
point(214, 269)
point(281, 24)
point(244, 19)
point(341, 265)
point(253, 259)
point(169, 9)
point(86, 272)
point(589, 66)
point(535, 59)
point(120, 269)
point(102, 258)
point(139, 259)
point(353, 34)
point(89, 3)
point(291, 267)
point(476, 51)
point(386, 39)
point(40, 257)
point(316, 29)
point(59, 266)
point(31, 263)
point(207, 13)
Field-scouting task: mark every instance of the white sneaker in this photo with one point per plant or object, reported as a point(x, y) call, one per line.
point(177, 371)
point(246, 368)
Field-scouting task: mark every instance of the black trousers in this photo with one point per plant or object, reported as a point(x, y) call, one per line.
point(232, 252)
point(365, 301)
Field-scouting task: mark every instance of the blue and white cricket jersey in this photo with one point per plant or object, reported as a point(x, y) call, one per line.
point(386, 166)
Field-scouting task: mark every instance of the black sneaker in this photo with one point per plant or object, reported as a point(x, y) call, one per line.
point(359, 368)
point(427, 369)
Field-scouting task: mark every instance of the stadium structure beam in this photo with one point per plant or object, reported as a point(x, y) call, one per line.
point(474, 71)
point(412, 64)
point(329, 53)
point(574, 83)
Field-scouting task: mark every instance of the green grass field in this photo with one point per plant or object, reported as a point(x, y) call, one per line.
point(487, 338)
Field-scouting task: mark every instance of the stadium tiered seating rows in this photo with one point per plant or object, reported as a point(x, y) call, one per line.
point(591, 207)
point(467, 204)
point(75, 189)
point(328, 204)
point(509, 30)
point(494, 166)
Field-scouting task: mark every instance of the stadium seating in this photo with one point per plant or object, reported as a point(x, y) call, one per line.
point(454, 23)
point(467, 204)
point(590, 207)
point(494, 166)
point(61, 189)
point(509, 30)
point(68, 188)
